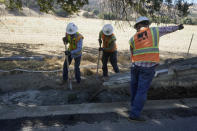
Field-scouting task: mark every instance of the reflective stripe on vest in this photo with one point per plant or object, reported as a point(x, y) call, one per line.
point(146, 50)
point(155, 36)
point(145, 45)
point(73, 42)
point(107, 40)
point(132, 42)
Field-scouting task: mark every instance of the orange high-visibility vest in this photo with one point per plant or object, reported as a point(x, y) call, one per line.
point(107, 41)
point(145, 45)
point(73, 42)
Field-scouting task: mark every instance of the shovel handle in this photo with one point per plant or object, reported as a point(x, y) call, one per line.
point(69, 72)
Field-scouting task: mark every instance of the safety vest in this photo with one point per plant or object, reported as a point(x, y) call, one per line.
point(73, 42)
point(145, 45)
point(107, 41)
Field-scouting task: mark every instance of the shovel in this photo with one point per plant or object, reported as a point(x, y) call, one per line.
point(69, 71)
point(98, 63)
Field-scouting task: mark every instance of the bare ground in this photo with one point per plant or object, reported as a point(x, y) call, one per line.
point(37, 36)
point(44, 88)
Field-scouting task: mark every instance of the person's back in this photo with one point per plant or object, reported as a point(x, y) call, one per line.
point(144, 46)
point(148, 57)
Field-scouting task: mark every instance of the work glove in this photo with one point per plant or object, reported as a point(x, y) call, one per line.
point(68, 53)
point(100, 49)
point(65, 40)
point(100, 41)
point(180, 26)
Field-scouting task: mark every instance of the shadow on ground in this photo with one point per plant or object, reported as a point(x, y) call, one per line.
point(71, 120)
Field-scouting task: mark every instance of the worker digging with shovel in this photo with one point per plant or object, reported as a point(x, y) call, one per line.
point(109, 49)
point(75, 41)
point(144, 47)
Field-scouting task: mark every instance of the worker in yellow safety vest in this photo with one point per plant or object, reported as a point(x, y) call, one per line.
point(144, 46)
point(109, 48)
point(75, 41)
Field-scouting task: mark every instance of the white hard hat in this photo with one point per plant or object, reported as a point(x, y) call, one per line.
point(71, 28)
point(108, 29)
point(141, 19)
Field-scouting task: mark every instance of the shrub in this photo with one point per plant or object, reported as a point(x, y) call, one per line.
point(88, 15)
point(190, 21)
point(61, 12)
point(2, 1)
point(107, 16)
point(96, 12)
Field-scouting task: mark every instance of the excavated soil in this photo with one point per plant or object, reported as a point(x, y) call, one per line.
point(24, 88)
point(44, 90)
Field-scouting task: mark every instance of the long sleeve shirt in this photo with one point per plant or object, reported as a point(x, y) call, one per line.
point(162, 31)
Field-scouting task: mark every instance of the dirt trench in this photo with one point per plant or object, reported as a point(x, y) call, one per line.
point(44, 90)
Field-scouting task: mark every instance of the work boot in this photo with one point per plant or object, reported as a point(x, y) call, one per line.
point(137, 119)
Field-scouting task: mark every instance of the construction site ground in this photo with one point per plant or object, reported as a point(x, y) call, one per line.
point(22, 86)
point(44, 89)
point(159, 114)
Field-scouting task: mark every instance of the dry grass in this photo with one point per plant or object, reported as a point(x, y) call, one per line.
point(89, 57)
point(48, 64)
point(50, 31)
point(124, 57)
point(87, 72)
point(43, 37)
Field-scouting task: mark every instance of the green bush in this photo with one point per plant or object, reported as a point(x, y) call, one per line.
point(107, 16)
point(61, 12)
point(2, 1)
point(88, 15)
point(165, 20)
point(88, 9)
point(190, 21)
point(96, 12)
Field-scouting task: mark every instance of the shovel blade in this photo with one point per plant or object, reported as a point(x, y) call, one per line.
point(70, 84)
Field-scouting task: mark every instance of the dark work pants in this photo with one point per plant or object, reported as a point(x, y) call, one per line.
point(112, 56)
point(77, 69)
point(141, 78)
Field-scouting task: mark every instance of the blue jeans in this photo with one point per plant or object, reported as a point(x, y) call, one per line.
point(141, 78)
point(112, 56)
point(77, 69)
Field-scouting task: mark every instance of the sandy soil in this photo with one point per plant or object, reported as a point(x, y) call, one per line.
point(50, 30)
point(36, 36)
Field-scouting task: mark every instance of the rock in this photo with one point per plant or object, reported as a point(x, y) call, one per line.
point(177, 73)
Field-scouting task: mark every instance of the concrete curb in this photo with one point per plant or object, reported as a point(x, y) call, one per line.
point(16, 112)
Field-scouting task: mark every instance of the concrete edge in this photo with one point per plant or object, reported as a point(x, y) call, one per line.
point(17, 111)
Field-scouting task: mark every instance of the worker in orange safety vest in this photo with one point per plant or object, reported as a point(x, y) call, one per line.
point(75, 41)
point(144, 46)
point(109, 48)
